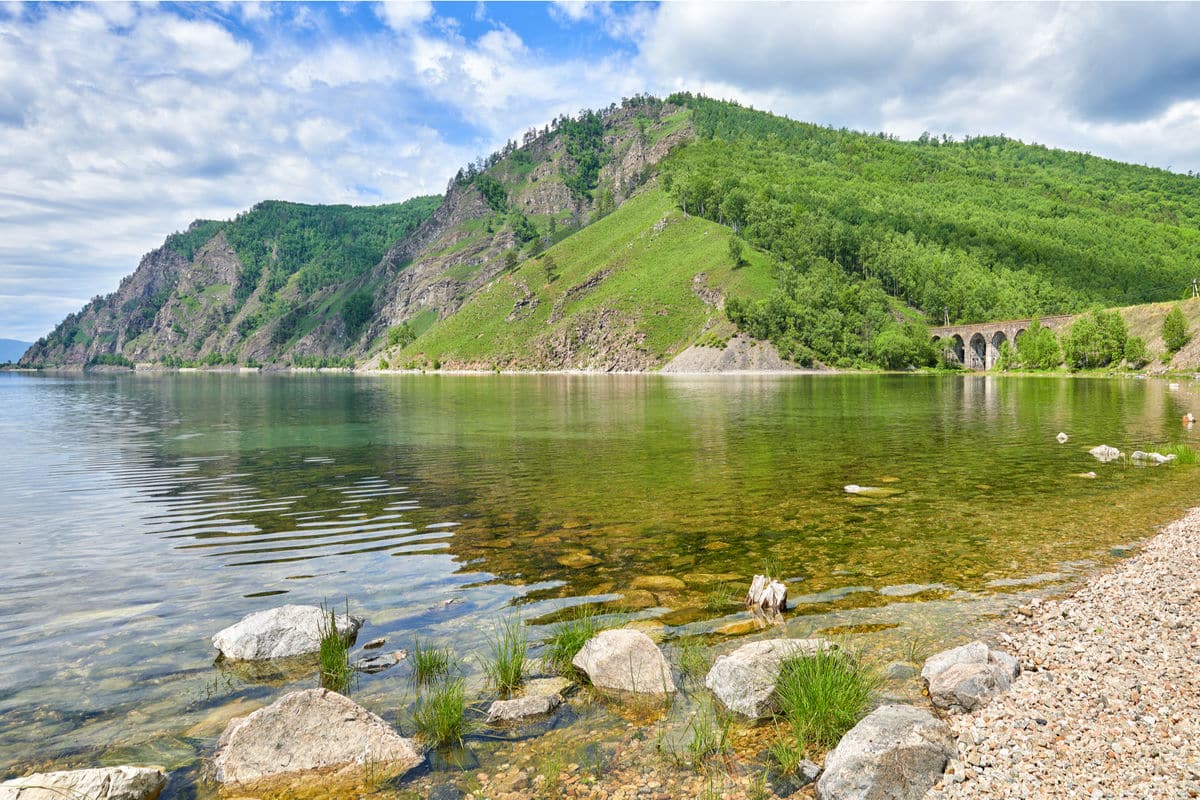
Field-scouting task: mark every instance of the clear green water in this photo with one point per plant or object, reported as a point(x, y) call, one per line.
point(144, 513)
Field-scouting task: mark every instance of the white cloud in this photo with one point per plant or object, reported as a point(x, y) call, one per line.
point(402, 15)
point(121, 123)
point(317, 133)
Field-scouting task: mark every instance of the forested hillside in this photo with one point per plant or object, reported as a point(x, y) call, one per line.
point(239, 291)
point(619, 237)
point(985, 228)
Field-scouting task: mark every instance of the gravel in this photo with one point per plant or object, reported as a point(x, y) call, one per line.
point(1109, 703)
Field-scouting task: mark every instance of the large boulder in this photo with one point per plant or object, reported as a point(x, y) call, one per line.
point(895, 753)
point(962, 678)
point(745, 679)
point(109, 783)
point(626, 660)
point(281, 633)
point(314, 729)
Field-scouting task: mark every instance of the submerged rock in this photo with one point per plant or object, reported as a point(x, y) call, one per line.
point(281, 633)
point(521, 707)
point(1153, 458)
point(896, 752)
point(108, 783)
point(871, 491)
point(745, 679)
point(1104, 454)
point(626, 660)
point(962, 678)
point(378, 662)
point(314, 729)
point(1062, 437)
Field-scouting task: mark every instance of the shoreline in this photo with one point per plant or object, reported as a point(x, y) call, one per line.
point(1108, 703)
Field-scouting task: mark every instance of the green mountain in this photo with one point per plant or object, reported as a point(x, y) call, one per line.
point(619, 238)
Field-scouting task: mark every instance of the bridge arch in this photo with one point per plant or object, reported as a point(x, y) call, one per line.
point(950, 347)
point(998, 340)
point(977, 352)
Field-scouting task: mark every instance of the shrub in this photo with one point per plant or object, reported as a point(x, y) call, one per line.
point(1037, 347)
point(823, 695)
point(1096, 340)
point(1175, 331)
point(1136, 355)
point(401, 335)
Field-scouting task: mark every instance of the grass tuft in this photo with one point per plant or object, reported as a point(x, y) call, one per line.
point(709, 732)
point(505, 668)
point(569, 638)
point(720, 598)
point(1184, 454)
point(430, 663)
point(823, 695)
point(440, 714)
point(694, 660)
point(336, 672)
point(786, 752)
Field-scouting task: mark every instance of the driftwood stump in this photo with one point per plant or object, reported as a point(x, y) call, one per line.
point(766, 594)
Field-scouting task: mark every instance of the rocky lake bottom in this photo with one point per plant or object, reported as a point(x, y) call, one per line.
point(439, 508)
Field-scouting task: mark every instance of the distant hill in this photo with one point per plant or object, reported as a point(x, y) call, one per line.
point(11, 350)
point(618, 238)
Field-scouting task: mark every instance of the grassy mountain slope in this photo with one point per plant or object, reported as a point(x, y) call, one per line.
point(627, 292)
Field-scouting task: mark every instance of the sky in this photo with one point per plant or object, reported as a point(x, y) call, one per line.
point(121, 123)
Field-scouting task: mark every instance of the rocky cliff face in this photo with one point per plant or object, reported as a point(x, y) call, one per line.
point(196, 300)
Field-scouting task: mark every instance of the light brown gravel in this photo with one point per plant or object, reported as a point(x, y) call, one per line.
point(1109, 703)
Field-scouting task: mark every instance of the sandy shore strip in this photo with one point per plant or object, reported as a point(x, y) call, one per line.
point(1109, 703)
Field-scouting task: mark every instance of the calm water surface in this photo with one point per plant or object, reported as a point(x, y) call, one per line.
point(144, 513)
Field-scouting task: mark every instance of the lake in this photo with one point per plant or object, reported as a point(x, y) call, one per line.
point(145, 512)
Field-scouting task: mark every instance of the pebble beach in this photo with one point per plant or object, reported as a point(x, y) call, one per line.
point(1108, 705)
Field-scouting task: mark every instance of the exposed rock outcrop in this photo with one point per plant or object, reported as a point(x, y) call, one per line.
point(896, 752)
point(314, 729)
point(626, 660)
point(281, 632)
point(107, 783)
point(740, 354)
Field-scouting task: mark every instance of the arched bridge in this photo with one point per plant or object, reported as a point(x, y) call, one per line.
point(977, 346)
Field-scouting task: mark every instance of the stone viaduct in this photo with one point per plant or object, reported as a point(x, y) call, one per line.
point(977, 345)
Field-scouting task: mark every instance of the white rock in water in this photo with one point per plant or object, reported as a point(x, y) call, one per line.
point(1154, 458)
point(745, 679)
point(1172, 387)
point(1062, 438)
point(767, 594)
point(895, 753)
point(626, 660)
point(870, 491)
point(281, 633)
point(109, 783)
point(522, 707)
point(314, 729)
point(1103, 453)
